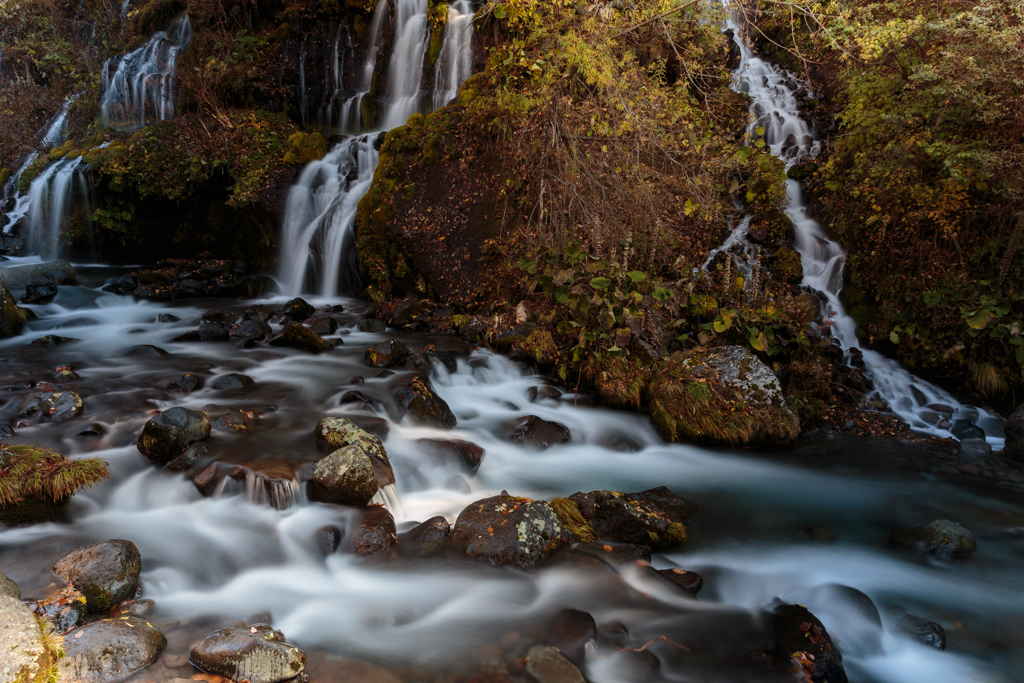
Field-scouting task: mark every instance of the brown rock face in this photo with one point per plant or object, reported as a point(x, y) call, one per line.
point(653, 518)
point(373, 533)
point(344, 477)
point(508, 530)
point(416, 398)
point(106, 573)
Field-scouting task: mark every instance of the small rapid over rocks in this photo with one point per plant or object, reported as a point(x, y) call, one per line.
point(775, 118)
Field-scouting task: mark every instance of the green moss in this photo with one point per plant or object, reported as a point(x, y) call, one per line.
point(571, 518)
point(787, 266)
point(31, 172)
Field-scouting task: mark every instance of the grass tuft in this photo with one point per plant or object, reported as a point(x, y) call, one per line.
point(40, 473)
point(571, 518)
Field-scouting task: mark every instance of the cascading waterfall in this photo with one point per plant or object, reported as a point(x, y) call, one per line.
point(321, 208)
point(142, 85)
point(775, 117)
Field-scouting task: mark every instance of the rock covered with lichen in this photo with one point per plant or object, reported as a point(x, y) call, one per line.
point(258, 653)
point(336, 433)
point(25, 656)
point(506, 529)
point(723, 396)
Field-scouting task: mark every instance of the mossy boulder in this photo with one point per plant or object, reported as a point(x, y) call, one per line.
point(505, 529)
point(651, 518)
point(106, 573)
point(258, 653)
point(344, 477)
point(298, 336)
point(334, 434)
point(36, 484)
point(720, 396)
point(386, 354)
point(171, 432)
point(12, 318)
point(803, 647)
point(787, 266)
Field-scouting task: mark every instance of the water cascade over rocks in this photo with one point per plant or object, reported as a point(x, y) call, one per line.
point(775, 118)
point(321, 208)
point(141, 87)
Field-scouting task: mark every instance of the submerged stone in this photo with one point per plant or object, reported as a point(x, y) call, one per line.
point(110, 650)
point(258, 653)
point(386, 354)
point(803, 646)
point(531, 430)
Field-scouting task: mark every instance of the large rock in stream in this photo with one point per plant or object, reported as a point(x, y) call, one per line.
point(415, 398)
point(24, 657)
point(803, 645)
point(171, 432)
point(345, 477)
point(505, 529)
point(106, 573)
point(258, 653)
point(1014, 433)
point(651, 518)
point(36, 274)
point(336, 433)
point(110, 650)
point(942, 538)
point(12, 318)
point(297, 336)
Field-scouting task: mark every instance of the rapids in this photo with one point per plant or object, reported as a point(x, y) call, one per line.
point(209, 561)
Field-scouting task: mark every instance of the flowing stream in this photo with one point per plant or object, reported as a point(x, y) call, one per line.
point(775, 118)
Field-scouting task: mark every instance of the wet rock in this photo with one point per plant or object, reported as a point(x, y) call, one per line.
point(975, 448)
point(122, 286)
point(1014, 432)
point(39, 294)
point(345, 477)
point(213, 332)
point(258, 653)
point(386, 354)
point(547, 665)
point(53, 340)
point(297, 309)
point(63, 610)
point(187, 458)
point(110, 650)
point(295, 336)
point(333, 433)
point(221, 316)
point(921, 630)
point(632, 666)
point(234, 422)
point(819, 533)
point(803, 645)
point(408, 311)
point(543, 393)
point(25, 657)
point(258, 313)
point(233, 382)
point(36, 274)
point(690, 581)
point(372, 532)
point(167, 318)
point(327, 539)
point(51, 406)
point(965, 429)
point(466, 454)
point(416, 399)
point(569, 631)
point(12, 318)
point(143, 351)
point(507, 530)
point(654, 517)
point(373, 325)
point(206, 479)
point(323, 326)
point(8, 588)
point(186, 384)
point(188, 289)
point(426, 539)
point(171, 432)
point(614, 554)
point(64, 374)
point(6, 431)
point(942, 538)
point(106, 573)
point(531, 430)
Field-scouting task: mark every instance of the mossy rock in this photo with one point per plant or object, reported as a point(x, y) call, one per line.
point(787, 266)
point(12, 318)
point(36, 484)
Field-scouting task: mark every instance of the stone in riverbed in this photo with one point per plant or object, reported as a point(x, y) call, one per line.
point(942, 538)
point(547, 665)
point(1014, 432)
point(426, 539)
point(372, 533)
point(464, 453)
point(654, 517)
point(297, 309)
point(110, 650)
point(233, 382)
point(333, 433)
point(569, 631)
point(53, 340)
point(53, 272)
point(803, 646)
point(186, 384)
point(171, 432)
point(187, 458)
point(64, 610)
point(296, 336)
point(25, 657)
point(251, 329)
point(51, 406)
point(965, 429)
point(531, 430)
point(64, 374)
point(258, 653)
point(106, 573)
point(416, 399)
point(690, 581)
point(39, 294)
point(386, 354)
point(921, 630)
point(8, 588)
point(975, 448)
point(327, 539)
point(504, 529)
point(144, 351)
point(345, 477)
point(12, 318)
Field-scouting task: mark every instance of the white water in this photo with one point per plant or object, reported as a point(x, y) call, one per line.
point(319, 216)
point(232, 556)
point(142, 86)
point(774, 108)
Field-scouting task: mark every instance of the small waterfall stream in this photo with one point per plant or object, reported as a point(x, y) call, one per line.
point(774, 108)
point(321, 208)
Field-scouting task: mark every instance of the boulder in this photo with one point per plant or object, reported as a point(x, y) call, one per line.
point(1014, 433)
point(942, 538)
point(327, 539)
point(965, 429)
point(345, 477)
point(466, 454)
point(333, 433)
point(251, 329)
point(296, 336)
point(371, 533)
point(259, 313)
point(386, 354)
point(106, 573)
point(144, 351)
point(426, 539)
point(416, 399)
point(39, 294)
point(653, 518)
point(53, 340)
point(921, 630)
point(122, 286)
point(323, 325)
point(186, 384)
point(803, 646)
point(975, 448)
point(258, 653)
point(171, 432)
point(233, 382)
point(425, 361)
point(8, 588)
point(543, 393)
point(35, 274)
point(569, 631)
point(64, 610)
point(297, 309)
point(186, 458)
point(504, 529)
point(547, 665)
point(110, 650)
point(213, 331)
point(531, 430)
point(25, 656)
point(51, 406)
point(12, 318)
point(64, 374)
point(720, 396)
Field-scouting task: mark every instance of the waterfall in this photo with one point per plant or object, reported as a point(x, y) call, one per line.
point(455, 61)
point(320, 213)
point(142, 84)
point(775, 117)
